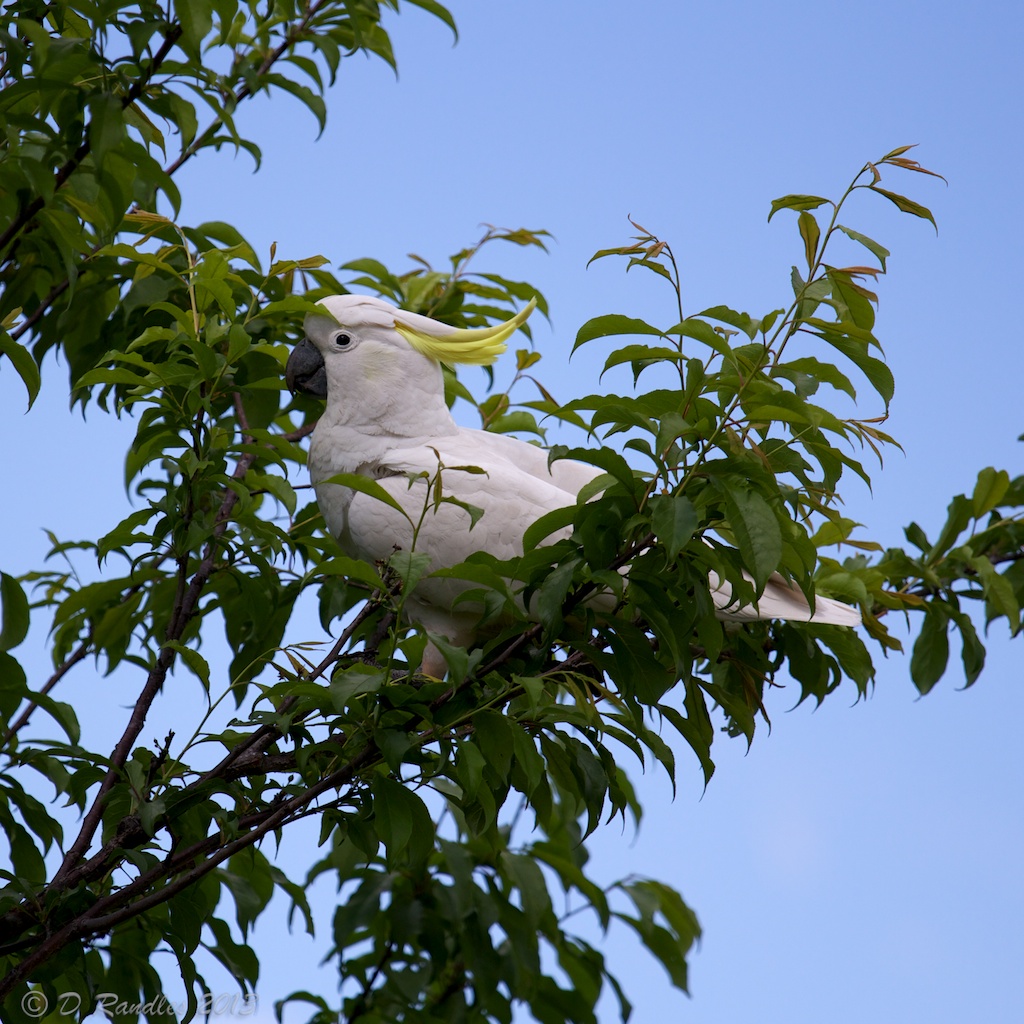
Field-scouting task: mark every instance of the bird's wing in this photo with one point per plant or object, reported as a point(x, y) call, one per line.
point(567, 475)
point(510, 482)
point(510, 497)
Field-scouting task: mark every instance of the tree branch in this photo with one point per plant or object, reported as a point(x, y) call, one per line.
point(156, 677)
point(111, 910)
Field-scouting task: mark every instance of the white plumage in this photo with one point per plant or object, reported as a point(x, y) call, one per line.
point(386, 419)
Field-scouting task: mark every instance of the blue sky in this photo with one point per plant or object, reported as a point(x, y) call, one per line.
point(861, 861)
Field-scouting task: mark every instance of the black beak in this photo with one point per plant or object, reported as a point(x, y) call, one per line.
point(305, 370)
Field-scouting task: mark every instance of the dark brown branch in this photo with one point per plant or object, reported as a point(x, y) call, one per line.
point(363, 1002)
point(48, 300)
point(72, 660)
point(195, 862)
point(300, 433)
point(97, 865)
point(247, 759)
point(258, 742)
point(1010, 556)
point(120, 755)
point(156, 677)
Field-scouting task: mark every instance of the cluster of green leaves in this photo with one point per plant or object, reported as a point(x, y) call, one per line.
point(733, 474)
point(452, 814)
point(183, 329)
point(102, 103)
point(978, 557)
point(220, 535)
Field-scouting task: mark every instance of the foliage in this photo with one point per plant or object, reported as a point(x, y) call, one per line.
point(453, 812)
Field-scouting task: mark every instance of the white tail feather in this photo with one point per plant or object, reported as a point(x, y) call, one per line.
point(781, 600)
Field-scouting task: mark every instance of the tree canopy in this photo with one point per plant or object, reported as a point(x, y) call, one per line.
point(453, 813)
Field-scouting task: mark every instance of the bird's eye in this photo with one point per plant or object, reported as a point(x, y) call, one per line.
point(342, 340)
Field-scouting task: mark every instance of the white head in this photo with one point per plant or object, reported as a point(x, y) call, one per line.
point(370, 359)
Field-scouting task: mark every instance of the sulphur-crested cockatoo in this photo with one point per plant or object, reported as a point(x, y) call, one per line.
point(379, 367)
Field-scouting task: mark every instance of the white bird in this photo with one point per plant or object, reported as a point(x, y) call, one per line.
point(379, 368)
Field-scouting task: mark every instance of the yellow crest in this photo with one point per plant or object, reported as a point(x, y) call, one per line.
point(477, 346)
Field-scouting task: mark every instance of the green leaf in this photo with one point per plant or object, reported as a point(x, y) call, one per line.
point(230, 236)
point(63, 714)
point(552, 595)
point(106, 125)
point(999, 595)
point(517, 421)
point(470, 769)
point(658, 268)
point(412, 566)
point(250, 878)
point(811, 234)
point(931, 649)
point(907, 205)
point(194, 660)
point(279, 488)
point(695, 727)
point(525, 358)
point(342, 565)
point(916, 535)
point(853, 655)
point(992, 485)
point(604, 458)
point(958, 514)
point(741, 321)
point(363, 484)
point(643, 354)
point(701, 330)
point(796, 202)
point(354, 682)
point(609, 325)
point(494, 735)
point(674, 520)
point(565, 866)
point(548, 524)
point(878, 251)
point(842, 337)
point(392, 814)
point(972, 652)
point(23, 363)
point(239, 958)
point(669, 945)
point(528, 878)
point(402, 822)
point(14, 613)
point(755, 528)
point(303, 93)
point(458, 659)
point(196, 20)
point(853, 297)
point(808, 366)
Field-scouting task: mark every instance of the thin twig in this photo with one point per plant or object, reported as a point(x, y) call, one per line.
point(78, 655)
point(291, 37)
